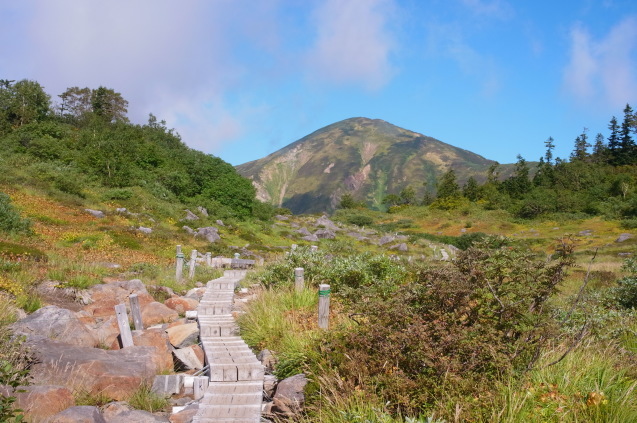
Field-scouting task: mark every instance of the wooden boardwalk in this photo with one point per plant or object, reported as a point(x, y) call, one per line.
point(235, 391)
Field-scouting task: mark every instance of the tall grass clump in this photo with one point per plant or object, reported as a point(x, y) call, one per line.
point(589, 385)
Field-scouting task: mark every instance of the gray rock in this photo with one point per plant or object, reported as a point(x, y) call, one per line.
point(95, 213)
point(311, 238)
point(78, 414)
point(269, 385)
point(209, 233)
point(57, 324)
point(190, 215)
point(167, 385)
point(326, 223)
point(304, 232)
point(386, 239)
point(624, 254)
point(186, 358)
point(188, 229)
point(325, 234)
point(122, 210)
point(122, 413)
point(399, 247)
point(623, 237)
point(203, 211)
point(267, 359)
point(281, 217)
point(145, 230)
point(587, 232)
point(219, 222)
point(289, 397)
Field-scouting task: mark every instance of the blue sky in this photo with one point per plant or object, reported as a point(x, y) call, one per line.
point(242, 78)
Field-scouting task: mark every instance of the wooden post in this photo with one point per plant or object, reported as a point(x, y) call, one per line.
point(299, 280)
point(193, 262)
point(324, 306)
point(124, 327)
point(314, 248)
point(209, 259)
point(136, 312)
point(180, 264)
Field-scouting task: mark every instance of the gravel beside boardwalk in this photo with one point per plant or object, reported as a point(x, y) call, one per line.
point(235, 392)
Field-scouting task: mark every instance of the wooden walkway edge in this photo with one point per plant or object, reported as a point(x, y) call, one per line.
point(235, 391)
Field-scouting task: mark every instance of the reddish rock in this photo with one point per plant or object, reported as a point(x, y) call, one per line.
point(155, 313)
point(289, 397)
point(158, 339)
point(41, 401)
point(188, 358)
point(106, 296)
point(116, 374)
point(178, 322)
point(181, 304)
point(186, 415)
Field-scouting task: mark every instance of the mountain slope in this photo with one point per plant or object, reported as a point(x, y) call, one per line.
point(368, 158)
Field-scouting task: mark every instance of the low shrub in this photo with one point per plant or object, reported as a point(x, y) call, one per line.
point(10, 220)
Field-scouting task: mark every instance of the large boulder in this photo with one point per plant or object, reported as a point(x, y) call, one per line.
point(155, 313)
point(289, 397)
point(41, 401)
point(181, 336)
point(79, 414)
point(106, 296)
point(190, 358)
point(186, 415)
point(116, 374)
point(304, 232)
point(58, 324)
point(158, 339)
point(325, 234)
point(209, 233)
point(120, 412)
point(181, 304)
point(325, 222)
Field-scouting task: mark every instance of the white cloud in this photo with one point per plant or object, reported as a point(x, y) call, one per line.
point(353, 43)
point(604, 69)
point(178, 60)
point(499, 9)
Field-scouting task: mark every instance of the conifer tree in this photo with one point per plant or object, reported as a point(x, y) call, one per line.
point(613, 141)
point(626, 142)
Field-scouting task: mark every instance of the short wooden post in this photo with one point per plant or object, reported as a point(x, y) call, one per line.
point(124, 327)
point(209, 259)
point(299, 279)
point(193, 262)
point(136, 312)
point(180, 264)
point(314, 248)
point(324, 306)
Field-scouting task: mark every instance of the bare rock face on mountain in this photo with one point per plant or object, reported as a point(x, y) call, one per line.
point(367, 158)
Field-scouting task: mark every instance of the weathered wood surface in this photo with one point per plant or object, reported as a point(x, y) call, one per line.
point(222, 262)
point(235, 392)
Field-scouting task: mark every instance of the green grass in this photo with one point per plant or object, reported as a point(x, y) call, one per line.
point(590, 385)
point(145, 399)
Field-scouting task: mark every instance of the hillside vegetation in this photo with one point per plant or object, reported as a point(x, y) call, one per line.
point(503, 298)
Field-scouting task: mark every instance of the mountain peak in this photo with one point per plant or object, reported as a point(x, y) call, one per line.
point(368, 158)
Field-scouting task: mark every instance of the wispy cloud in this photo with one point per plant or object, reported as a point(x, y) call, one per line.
point(499, 9)
point(604, 69)
point(353, 43)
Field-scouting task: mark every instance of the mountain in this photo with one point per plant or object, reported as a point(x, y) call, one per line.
point(368, 158)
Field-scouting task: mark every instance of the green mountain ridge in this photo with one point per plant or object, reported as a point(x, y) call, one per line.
point(368, 158)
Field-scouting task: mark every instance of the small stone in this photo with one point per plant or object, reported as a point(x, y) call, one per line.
point(203, 211)
point(624, 237)
point(145, 230)
point(190, 215)
point(96, 213)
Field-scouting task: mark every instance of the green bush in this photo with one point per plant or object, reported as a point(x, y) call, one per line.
point(118, 194)
point(10, 220)
point(625, 293)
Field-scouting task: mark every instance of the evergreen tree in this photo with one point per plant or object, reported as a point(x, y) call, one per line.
point(447, 186)
point(600, 151)
point(626, 142)
point(580, 152)
point(407, 196)
point(471, 189)
point(518, 184)
point(548, 156)
point(613, 141)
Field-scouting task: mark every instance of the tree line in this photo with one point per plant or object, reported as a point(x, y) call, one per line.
point(85, 138)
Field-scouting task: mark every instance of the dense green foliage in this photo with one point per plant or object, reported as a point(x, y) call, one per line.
point(598, 179)
point(86, 141)
point(10, 220)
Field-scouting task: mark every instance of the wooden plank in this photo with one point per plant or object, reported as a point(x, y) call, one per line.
point(124, 327)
